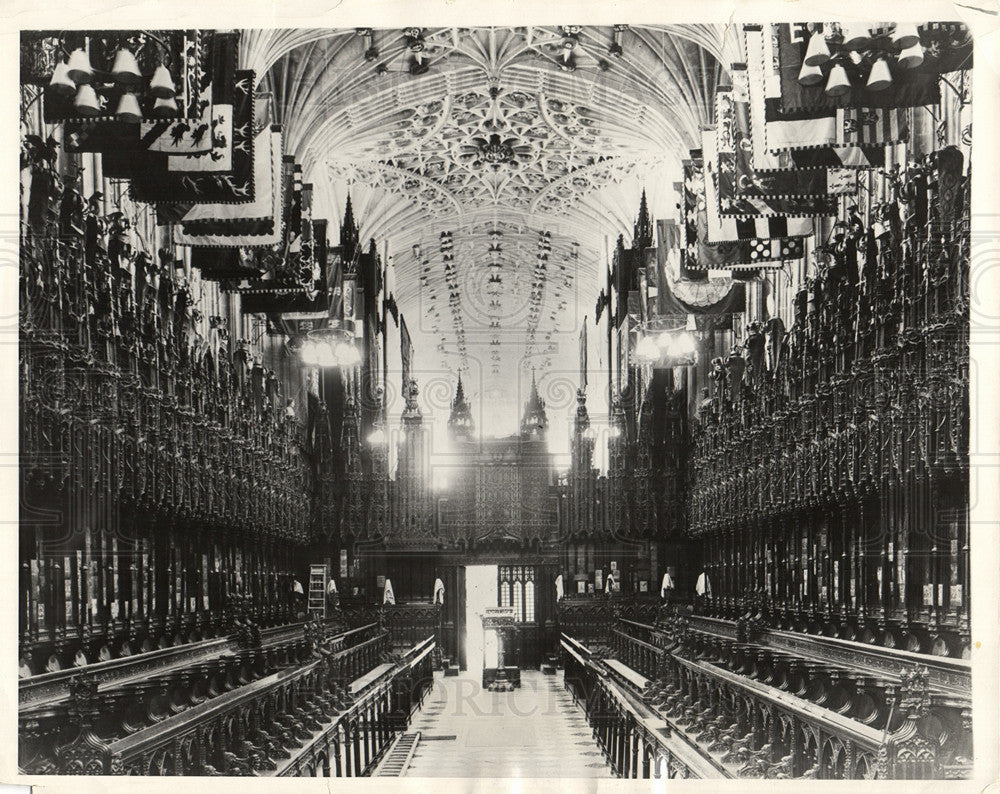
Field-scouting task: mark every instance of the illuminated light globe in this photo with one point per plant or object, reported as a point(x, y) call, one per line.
point(61, 82)
point(646, 349)
point(306, 352)
point(325, 356)
point(328, 347)
point(347, 354)
point(682, 346)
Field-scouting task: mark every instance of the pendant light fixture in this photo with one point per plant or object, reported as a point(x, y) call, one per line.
point(810, 75)
point(911, 57)
point(128, 108)
point(880, 77)
point(818, 52)
point(838, 84)
point(164, 108)
point(857, 36)
point(61, 82)
point(905, 35)
point(86, 102)
point(126, 68)
point(80, 70)
point(162, 84)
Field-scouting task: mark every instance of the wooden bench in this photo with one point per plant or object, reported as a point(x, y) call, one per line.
point(362, 683)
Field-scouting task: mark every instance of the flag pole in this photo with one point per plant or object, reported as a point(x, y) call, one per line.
point(607, 273)
point(385, 332)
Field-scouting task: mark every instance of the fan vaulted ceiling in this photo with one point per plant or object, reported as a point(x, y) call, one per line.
point(493, 164)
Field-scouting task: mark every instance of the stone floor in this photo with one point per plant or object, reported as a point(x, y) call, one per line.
point(532, 732)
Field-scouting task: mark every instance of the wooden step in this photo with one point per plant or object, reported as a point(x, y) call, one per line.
point(397, 760)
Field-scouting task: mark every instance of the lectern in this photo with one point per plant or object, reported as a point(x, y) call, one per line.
point(498, 623)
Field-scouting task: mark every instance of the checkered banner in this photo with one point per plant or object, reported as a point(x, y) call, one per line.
point(768, 177)
point(818, 129)
point(721, 172)
point(747, 245)
point(867, 153)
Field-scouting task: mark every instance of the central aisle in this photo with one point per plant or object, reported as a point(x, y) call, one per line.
point(532, 732)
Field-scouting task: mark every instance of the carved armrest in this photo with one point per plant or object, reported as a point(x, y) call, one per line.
point(236, 766)
point(274, 747)
point(710, 733)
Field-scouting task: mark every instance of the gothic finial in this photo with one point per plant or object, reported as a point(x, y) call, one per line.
point(582, 417)
point(914, 692)
point(642, 234)
point(534, 421)
point(349, 232)
point(460, 422)
point(349, 212)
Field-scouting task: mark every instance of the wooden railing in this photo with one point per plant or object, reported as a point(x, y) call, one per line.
point(353, 743)
point(590, 618)
point(230, 735)
point(123, 726)
point(50, 688)
point(410, 622)
point(947, 678)
point(631, 736)
point(764, 713)
point(351, 663)
point(639, 655)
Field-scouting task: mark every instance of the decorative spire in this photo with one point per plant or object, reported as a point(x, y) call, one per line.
point(534, 422)
point(642, 234)
point(350, 437)
point(582, 421)
point(411, 413)
point(582, 443)
point(349, 233)
point(460, 423)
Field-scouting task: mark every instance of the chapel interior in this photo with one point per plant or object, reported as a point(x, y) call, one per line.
point(577, 401)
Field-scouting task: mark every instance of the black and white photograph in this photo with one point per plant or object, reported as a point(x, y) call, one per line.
point(502, 403)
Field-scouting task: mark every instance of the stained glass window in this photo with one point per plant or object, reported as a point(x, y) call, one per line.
point(517, 589)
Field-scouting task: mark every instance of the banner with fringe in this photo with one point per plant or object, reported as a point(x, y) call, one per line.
point(766, 177)
point(910, 87)
point(253, 224)
point(729, 249)
point(207, 179)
